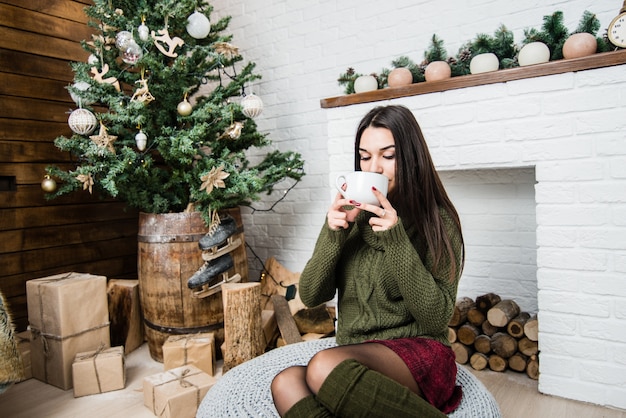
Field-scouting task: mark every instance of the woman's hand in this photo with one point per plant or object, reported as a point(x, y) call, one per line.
point(386, 215)
point(339, 216)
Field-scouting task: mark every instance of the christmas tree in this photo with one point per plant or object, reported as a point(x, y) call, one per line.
point(163, 119)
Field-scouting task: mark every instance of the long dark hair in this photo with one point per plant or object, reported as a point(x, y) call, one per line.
point(418, 192)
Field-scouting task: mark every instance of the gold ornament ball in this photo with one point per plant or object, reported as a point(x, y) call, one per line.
point(184, 108)
point(48, 184)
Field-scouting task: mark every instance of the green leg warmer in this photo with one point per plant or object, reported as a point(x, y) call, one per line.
point(308, 408)
point(353, 390)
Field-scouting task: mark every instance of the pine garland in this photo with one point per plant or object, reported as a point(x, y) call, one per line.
point(552, 32)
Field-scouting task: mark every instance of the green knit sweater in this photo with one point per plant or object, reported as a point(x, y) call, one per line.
point(386, 288)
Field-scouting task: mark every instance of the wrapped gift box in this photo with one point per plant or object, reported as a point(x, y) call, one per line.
point(23, 345)
point(125, 314)
point(68, 314)
point(176, 393)
point(99, 371)
point(197, 349)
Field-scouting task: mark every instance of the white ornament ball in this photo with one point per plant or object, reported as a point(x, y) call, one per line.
point(141, 139)
point(82, 121)
point(252, 105)
point(93, 60)
point(533, 53)
point(82, 86)
point(143, 32)
point(198, 25)
point(484, 63)
point(184, 108)
point(365, 83)
point(122, 39)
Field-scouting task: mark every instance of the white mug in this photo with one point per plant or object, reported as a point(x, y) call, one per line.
point(359, 186)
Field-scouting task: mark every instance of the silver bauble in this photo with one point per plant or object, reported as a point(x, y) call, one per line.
point(198, 25)
point(252, 105)
point(82, 121)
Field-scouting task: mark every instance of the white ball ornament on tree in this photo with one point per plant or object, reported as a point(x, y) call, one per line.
point(81, 86)
point(252, 105)
point(82, 121)
point(142, 140)
point(93, 60)
point(198, 25)
point(122, 39)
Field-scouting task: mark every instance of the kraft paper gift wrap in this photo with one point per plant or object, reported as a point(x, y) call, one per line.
point(99, 371)
point(68, 314)
point(197, 349)
point(176, 393)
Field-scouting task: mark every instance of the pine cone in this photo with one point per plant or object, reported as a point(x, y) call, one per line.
point(465, 55)
point(451, 60)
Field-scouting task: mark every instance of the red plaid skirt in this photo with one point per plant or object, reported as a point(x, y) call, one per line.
point(433, 367)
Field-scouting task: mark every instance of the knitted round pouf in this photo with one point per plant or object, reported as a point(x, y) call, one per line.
point(244, 391)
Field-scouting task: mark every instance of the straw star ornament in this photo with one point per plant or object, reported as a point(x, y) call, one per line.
point(103, 139)
point(214, 179)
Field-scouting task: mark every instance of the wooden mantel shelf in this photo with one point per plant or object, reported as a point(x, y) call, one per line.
point(605, 59)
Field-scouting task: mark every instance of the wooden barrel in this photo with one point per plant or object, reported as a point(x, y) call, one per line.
point(168, 256)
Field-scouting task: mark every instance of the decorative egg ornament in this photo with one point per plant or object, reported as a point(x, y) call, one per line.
point(48, 184)
point(400, 77)
point(141, 140)
point(365, 83)
point(198, 25)
point(82, 121)
point(533, 53)
point(580, 45)
point(184, 108)
point(484, 63)
point(437, 70)
point(252, 105)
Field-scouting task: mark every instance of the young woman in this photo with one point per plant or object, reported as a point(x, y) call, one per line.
point(396, 268)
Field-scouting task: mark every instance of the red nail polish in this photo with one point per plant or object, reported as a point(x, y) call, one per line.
point(373, 188)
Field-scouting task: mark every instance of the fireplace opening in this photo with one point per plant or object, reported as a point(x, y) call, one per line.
point(497, 211)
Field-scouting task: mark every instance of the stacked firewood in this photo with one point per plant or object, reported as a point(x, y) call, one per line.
point(494, 333)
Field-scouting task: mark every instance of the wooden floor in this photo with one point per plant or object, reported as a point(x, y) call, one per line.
point(516, 394)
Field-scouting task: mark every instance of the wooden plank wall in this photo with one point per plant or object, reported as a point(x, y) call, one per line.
point(77, 232)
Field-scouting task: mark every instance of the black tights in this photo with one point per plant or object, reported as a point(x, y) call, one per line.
point(298, 382)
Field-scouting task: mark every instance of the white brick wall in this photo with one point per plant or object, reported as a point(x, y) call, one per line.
point(564, 132)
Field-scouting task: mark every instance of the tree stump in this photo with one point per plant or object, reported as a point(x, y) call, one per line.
point(467, 333)
point(126, 320)
point(244, 338)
